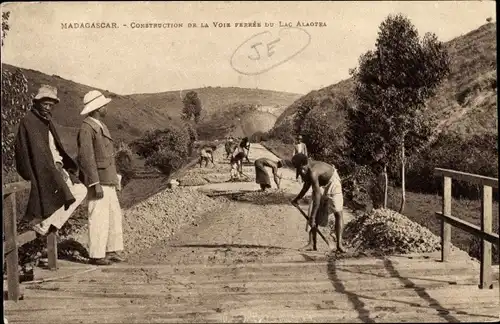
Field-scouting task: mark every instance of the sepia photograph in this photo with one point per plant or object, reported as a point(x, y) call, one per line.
point(250, 162)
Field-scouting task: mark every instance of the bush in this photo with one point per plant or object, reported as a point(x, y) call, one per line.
point(477, 154)
point(124, 163)
point(16, 101)
point(167, 149)
point(282, 133)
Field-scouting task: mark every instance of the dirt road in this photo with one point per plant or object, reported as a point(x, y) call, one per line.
point(249, 226)
point(240, 263)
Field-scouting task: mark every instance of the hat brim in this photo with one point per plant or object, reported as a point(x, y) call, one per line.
point(94, 105)
point(40, 98)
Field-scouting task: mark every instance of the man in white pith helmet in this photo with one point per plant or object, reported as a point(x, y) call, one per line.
point(97, 162)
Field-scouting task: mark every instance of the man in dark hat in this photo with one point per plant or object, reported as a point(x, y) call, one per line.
point(41, 159)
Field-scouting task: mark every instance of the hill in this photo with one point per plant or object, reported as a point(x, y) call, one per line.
point(465, 102)
point(130, 116)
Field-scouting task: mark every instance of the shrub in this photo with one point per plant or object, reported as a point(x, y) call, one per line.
point(166, 149)
point(477, 154)
point(282, 133)
point(124, 163)
point(16, 101)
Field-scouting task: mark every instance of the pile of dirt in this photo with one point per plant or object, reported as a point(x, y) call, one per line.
point(270, 197)
point(158, 217)
point(388, 232)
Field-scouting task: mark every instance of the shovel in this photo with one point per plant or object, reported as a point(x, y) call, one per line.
point(304, 214)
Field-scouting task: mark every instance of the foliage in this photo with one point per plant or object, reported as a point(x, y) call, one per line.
point(124, 163)
point(165, 149)
point(477, 154)
point(16, 101)
point(191, 106)
point(391, 87)
point(5, 24)
point(323, 133)
point(282, 133)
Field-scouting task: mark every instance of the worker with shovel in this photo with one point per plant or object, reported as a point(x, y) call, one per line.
point(261, 175)
point(326, 191)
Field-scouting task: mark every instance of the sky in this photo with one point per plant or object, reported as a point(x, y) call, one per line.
point(128, 60)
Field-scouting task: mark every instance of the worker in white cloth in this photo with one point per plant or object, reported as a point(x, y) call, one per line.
point(96, 159)
point(206, 154)
point(327, 191)
point(261, 175)
point(299, 148)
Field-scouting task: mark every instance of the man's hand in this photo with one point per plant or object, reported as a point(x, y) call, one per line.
point(59, 167)
point(99, 194)
point(119, 183)
point(74, 178)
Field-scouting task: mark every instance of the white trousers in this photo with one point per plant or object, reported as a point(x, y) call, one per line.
point(105, 224)
point(61, 216)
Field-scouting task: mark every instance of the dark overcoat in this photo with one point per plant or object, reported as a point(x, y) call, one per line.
point(35, 163)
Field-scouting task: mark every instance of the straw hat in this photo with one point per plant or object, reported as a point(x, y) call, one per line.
point(93, 100)
point(47, 92)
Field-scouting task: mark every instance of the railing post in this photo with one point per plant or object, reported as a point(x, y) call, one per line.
point(52, 250)
point(445, 227)
point(12, 258)
point(485, 280)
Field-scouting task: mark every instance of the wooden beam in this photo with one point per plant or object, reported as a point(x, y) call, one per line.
point(470, 228)
point(52, 250)
point(15, 187)
point(20, 241)
point(10, 230)
point(446, 227)
point(469, 177)
point(486, 227)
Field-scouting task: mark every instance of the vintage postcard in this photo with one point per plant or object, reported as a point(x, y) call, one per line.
point(248, 161)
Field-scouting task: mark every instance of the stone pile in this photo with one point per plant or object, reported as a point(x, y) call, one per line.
point(158, 217)
point(388, 232)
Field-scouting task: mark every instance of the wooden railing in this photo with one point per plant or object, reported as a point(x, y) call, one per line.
point(12, 241)
point(484, 232)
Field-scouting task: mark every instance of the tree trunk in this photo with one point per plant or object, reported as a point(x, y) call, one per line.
point(386, 185)
point(403, 190)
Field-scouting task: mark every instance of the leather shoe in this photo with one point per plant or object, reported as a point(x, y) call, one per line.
point(102, 261)
point(114, 257)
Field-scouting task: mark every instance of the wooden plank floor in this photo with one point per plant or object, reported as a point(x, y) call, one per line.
point(392, 289)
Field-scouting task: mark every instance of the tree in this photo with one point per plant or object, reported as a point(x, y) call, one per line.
point(392, 84)
point(192, 106)
point(5, 24)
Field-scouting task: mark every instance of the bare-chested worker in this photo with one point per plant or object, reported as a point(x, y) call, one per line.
point(229, 146)
point(237, 165)
point(326, 188)
point(299, 147)
point(206, 154)
point(261, 175)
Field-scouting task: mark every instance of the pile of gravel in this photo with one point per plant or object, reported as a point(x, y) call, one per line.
point(157, 218)
point(162, 215)
point(388, 232)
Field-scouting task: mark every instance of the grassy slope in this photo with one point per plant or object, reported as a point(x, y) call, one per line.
point(465, 102)
point(420, 208)
point(131, 115)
